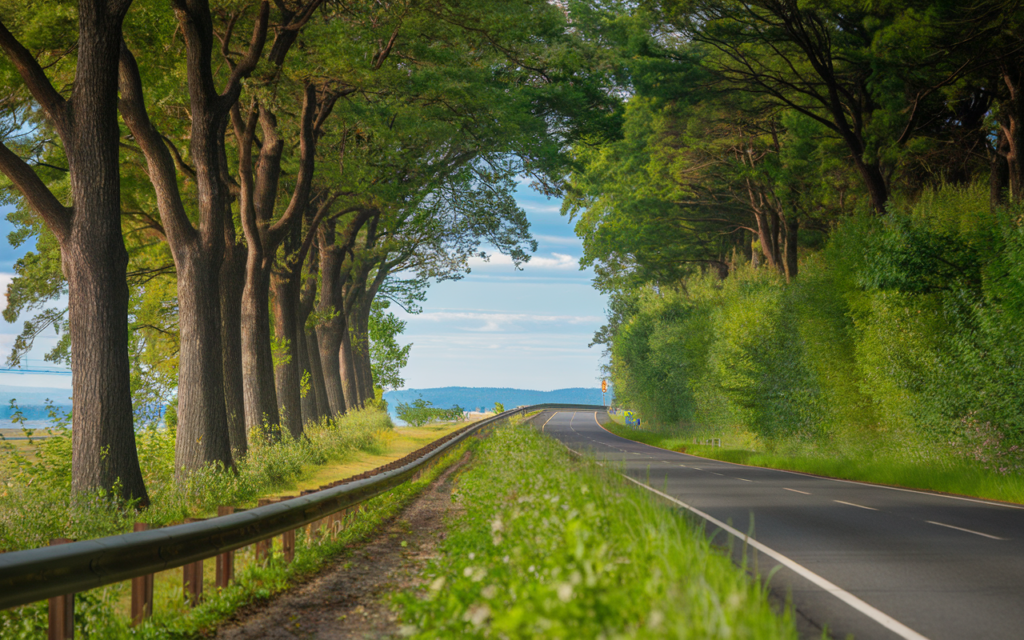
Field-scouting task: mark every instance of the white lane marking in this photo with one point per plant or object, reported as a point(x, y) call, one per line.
point(547, 421)
point(795, 491)
point(717, 474)
point(977, 533)
point(883, 619)
point(861, 483)
point(859, 506)
point(744, 480)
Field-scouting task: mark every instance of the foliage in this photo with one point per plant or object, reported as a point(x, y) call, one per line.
point(499, 408)
point(900, 339)
point(387, 357)
point(422, 412)
point(553, 546)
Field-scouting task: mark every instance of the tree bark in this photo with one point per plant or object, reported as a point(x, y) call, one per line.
point(203, 436)
point(331, 329)
point(999, 172)
point(93, 257)
point(287, 371)
point(349, 382)
point(314, 404)
point(232, 283)
point(1012, 123)
point(792, 234)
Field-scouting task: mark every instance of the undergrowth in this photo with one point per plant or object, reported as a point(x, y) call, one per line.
point(550, 546)
point(100, 613)
point(36, 504)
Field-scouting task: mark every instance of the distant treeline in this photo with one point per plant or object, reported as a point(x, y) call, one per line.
point(483, 398)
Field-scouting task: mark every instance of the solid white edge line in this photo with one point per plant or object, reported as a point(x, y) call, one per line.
point(796, 491)
point(853, 601)
point(861, 483)
point(883, 619)
point(977, 533)
point(859, 506)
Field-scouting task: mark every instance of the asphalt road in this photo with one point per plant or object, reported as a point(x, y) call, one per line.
point(866, 560)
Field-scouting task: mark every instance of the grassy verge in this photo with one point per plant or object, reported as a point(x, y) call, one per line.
point(103, 613)
point(951, 477)
point(555, 547)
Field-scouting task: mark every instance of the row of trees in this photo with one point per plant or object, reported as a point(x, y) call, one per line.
point(752, 121)
point(231, 192)
point(873, 150)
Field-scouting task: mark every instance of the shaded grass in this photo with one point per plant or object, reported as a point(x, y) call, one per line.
point(103, 613)
point(953, 477)
point(556, 547)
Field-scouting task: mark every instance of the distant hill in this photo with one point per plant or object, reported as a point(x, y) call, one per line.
point(474, 398)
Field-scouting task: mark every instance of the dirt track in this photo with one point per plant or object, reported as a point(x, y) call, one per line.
point(347, 600)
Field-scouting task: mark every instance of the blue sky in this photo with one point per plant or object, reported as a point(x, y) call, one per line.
point(497, 327)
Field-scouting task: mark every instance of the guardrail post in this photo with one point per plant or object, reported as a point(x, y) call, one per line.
point(226, 560)
point(142, 591)
point(192, 579)
point(62, 609)
point(263, 547)
point(288, 540)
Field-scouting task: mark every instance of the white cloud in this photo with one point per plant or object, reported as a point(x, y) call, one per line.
point(573, 241)
point(495, 322)
point(558, 261)
point(548, 209)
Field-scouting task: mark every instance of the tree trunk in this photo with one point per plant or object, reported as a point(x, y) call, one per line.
point(314, 404)
point(331, 329)
point(792, 234)
point(999, 172)
point(287, 371)
point(1012, 122)
point(93, 255)
point(232, 283)
point(257, 354)
point(94, 262)
point(349, 382)
point(364, 369)
point(202, 424)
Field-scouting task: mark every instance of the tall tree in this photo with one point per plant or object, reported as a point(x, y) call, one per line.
point(93, 255)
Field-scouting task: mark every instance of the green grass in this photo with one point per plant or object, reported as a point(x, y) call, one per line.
point(552, 546)
point(957, 477)
point(101, 613)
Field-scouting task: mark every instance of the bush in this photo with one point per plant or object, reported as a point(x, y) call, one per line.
point(901, 337)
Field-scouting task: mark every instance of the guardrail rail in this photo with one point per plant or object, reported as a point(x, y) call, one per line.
point(57, 572)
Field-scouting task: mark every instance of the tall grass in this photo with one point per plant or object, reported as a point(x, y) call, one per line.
point(549, 546)
point(103, 613)
point(36, 504)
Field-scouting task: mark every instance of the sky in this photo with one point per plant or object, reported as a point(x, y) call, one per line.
point(496, 327)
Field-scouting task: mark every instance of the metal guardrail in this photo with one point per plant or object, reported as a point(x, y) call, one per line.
point(49, 572)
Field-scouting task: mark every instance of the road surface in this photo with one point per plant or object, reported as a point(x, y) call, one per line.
point(866, 560)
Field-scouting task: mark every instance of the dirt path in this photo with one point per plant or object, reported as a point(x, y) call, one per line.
point(347, 599)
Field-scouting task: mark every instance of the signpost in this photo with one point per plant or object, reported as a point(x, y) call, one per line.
point(604, 390)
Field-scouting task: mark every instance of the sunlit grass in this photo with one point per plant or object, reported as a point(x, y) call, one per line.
point(953, 477)
point(104, 613)
point(551, 546)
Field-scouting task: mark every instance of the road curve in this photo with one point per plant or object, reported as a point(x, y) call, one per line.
point(921, 565)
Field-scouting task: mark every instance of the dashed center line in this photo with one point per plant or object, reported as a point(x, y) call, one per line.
point(744, 480)
point(796, 491)
point(977, 533)
point(859, 506)
point(717, 474)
